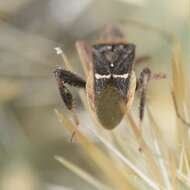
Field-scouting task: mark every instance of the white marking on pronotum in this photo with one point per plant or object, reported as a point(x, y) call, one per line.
point(99, 76)
point(124, 76)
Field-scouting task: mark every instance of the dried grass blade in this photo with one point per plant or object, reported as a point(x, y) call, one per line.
point(103, 162)
point(180, 85)
point(147, 152)
point(82, 174)
point(149, 181)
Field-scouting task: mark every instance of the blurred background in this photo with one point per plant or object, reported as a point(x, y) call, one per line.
point(30, 134)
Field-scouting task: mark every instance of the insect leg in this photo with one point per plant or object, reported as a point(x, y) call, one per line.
point(142, 84)
point(66, 77)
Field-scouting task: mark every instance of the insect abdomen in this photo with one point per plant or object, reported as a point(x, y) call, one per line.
point(108, 108)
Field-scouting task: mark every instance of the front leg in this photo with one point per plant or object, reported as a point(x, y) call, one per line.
point(64, 77)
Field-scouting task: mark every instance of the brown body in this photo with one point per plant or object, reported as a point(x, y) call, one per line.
point(109, 108)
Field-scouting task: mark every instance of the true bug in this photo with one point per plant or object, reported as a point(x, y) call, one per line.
point(111, 83)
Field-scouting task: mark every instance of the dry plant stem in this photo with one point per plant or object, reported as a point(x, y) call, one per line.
point(74, 116)
point(183, 162)
point(165, 155)
point(178, 113)
point(181, 98)
point(102, 161)
point(147, 152)
point(180, 86)
point(163, 167)
point(98, 156)
point(149, 181)
point(180, 94)
point(173, 169)
point(82, 174)
point(184, 179)
point(66, 62)
point(84, 55)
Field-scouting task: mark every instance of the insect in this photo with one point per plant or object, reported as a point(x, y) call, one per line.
point(111, 83)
